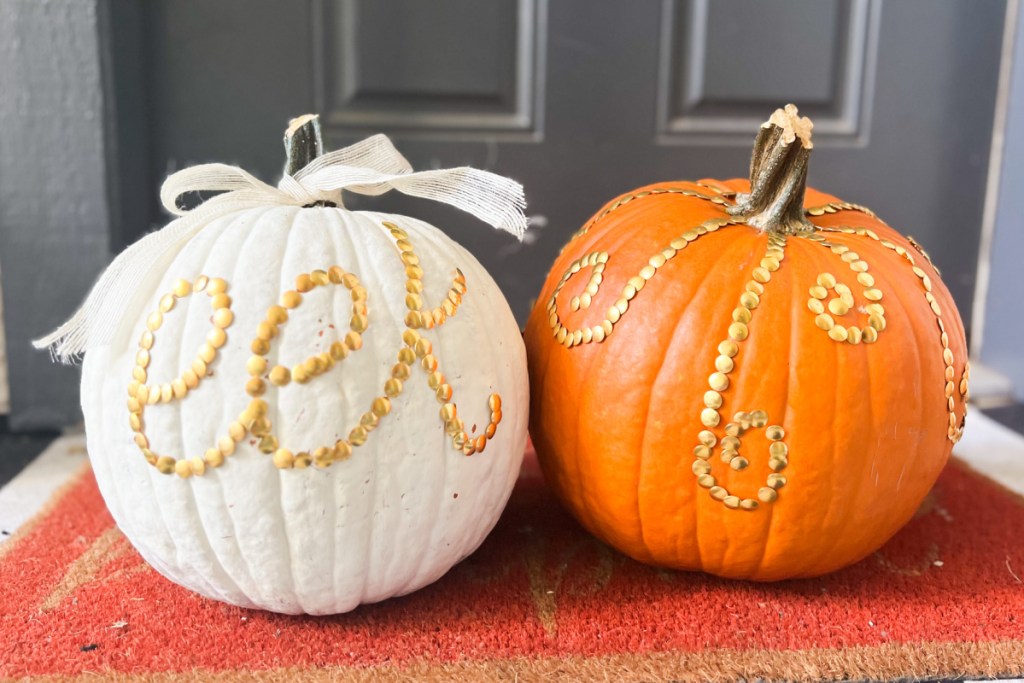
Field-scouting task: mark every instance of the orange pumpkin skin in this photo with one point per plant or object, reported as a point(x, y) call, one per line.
point(867, 426)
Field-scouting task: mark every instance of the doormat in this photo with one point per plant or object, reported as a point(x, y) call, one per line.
point(540, 600)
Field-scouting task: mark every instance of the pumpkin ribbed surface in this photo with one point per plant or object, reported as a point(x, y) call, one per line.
point(392, 516)
point(710, 396)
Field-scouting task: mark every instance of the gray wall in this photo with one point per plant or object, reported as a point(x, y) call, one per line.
point(54, 223)
point(1001, 346)
point(5, 404)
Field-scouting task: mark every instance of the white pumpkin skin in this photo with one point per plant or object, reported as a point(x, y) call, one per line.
point(392, 518)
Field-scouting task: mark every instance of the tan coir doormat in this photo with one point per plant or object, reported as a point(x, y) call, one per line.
point(540, 600)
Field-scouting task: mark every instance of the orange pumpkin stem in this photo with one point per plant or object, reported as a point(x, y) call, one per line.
point(778, 175)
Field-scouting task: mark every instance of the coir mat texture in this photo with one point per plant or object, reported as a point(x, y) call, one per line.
point(539, 600)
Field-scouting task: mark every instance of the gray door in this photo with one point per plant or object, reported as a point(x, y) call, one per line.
point(580, 100)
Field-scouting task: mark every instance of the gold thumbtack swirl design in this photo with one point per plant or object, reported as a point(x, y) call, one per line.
point(141, 394)
point(597, 262)
point(955, 428)
point(254, 420)
point(831, 312)
point(743, 421)
point(633, 196)
point(829, 300)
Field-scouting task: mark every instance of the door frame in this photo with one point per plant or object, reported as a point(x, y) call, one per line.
point(991, 383)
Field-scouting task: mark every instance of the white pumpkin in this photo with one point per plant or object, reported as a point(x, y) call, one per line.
point(282, 419)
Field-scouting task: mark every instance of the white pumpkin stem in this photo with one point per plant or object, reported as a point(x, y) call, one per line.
point(778, 175)
point(303, 142)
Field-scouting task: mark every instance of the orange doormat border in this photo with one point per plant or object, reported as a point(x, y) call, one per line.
point(540, 600)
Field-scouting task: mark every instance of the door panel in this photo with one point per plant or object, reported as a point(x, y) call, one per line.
point(450, 67)
point(725, 64)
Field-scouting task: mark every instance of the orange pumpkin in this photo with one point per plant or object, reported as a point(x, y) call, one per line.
point(755, 380)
